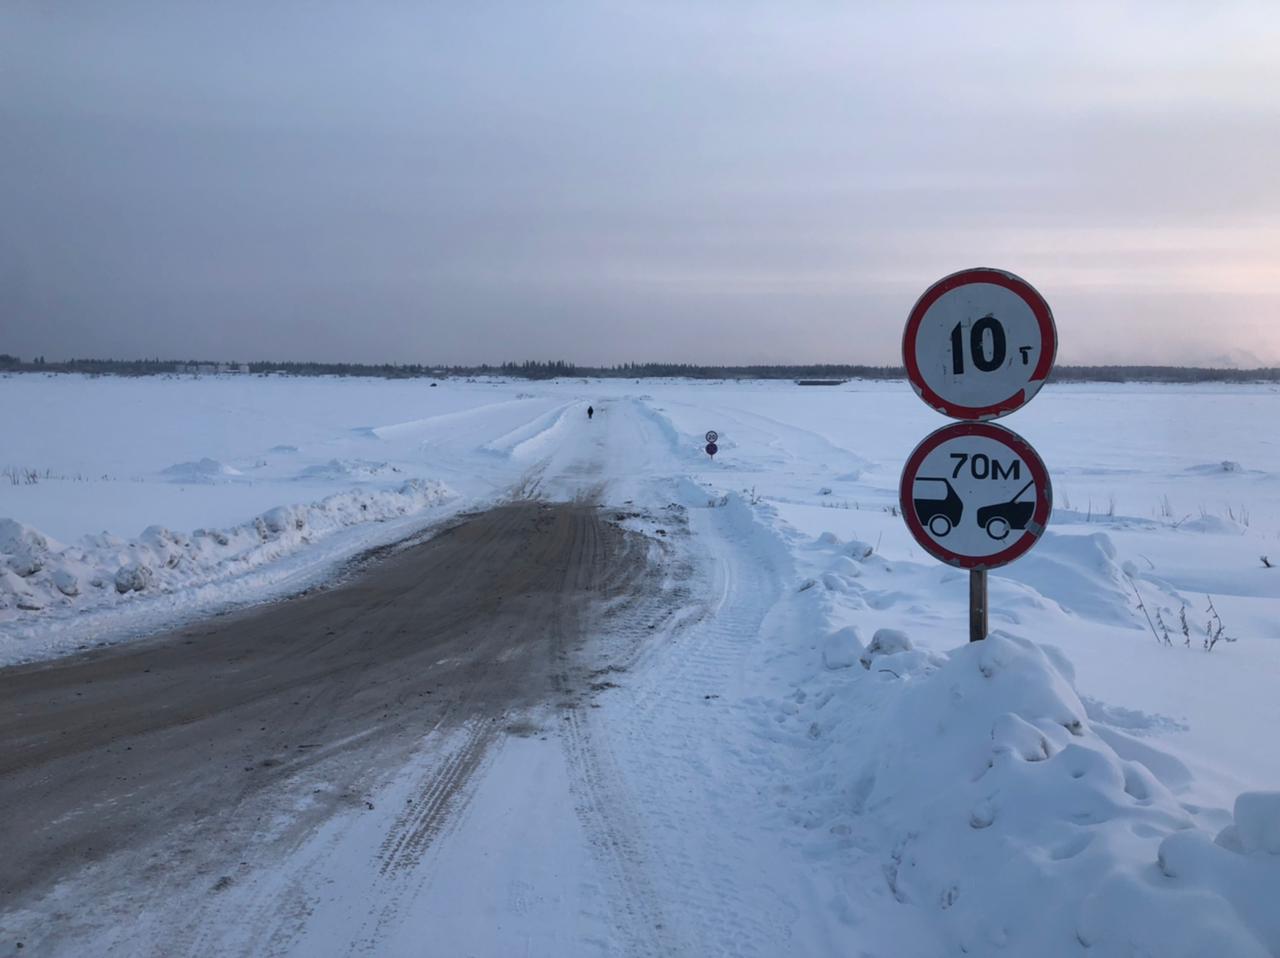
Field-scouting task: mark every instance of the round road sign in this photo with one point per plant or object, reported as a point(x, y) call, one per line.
point(979, 344)
point(975, 495)
point(712, 435)
point(712, 449)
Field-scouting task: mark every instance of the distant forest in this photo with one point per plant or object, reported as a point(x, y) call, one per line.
point(559, 369)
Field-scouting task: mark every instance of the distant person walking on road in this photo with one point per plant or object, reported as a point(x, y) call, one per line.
point(590, 412)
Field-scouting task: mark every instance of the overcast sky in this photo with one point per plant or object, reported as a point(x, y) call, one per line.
point(608, 182)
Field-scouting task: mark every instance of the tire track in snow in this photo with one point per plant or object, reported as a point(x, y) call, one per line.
point(671, 748)
point(445, 791)
point(401, 872)
point(615, 831)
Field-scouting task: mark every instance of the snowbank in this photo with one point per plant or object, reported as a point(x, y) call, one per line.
point(1027, 832)
point(39, 576)
point(983, 799)
point(948, 800)
point(534, 438)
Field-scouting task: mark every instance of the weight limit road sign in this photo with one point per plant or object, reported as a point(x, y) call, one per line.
point(712, 435)
point(975, 495)
point(979, 344)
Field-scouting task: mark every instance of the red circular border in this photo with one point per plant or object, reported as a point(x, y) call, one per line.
point(1044, 492)
point(966, 277)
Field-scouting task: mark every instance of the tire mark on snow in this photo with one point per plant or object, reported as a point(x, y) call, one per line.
point(615, 836)
point(449, 787)
point(422, 821)
point(679, 761)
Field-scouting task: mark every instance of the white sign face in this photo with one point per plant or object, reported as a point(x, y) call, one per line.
point(979, 344)
point(975, 495)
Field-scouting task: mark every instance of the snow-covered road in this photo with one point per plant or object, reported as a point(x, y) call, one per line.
point(567, 814)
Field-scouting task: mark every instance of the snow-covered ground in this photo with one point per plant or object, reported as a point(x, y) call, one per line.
point(808, 758)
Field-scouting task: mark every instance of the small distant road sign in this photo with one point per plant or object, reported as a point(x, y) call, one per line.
point(712, 449)
point(712, 435)
point(979, 344)
point(975, 495)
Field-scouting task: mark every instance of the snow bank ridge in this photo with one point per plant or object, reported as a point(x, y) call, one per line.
point(985, 800)
point(535, 437)
point(1025, 832)
point(39, 575)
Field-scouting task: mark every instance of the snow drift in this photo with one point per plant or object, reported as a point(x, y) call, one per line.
point(983, 798)
point(41, 576)
point(1026, 831)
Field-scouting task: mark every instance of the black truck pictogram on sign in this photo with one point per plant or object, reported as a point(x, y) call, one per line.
point(999, 518)
point(937, 505)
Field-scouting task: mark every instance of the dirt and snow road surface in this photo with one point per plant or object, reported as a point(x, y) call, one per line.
point(171, 751)
point(296, 778)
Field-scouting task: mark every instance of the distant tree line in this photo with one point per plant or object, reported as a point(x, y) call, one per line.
point(536, 369)
point(1163, 374)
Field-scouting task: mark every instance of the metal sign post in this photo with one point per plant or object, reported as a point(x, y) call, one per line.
point(978, 345)
point(977, 604)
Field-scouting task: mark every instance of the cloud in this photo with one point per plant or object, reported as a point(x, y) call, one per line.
point(718, 182)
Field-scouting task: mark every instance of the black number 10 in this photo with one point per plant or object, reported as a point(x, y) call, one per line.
point(978, 346)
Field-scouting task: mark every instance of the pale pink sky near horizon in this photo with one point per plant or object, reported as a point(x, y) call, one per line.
point(730, 182)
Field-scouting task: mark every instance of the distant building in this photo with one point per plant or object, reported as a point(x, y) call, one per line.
point(821, 382)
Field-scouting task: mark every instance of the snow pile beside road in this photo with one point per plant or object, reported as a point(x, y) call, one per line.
point(535, 438)
point(1022, 829)
point(971, 787)
point(39, 576)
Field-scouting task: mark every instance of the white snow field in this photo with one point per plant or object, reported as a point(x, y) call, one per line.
point(806, 757)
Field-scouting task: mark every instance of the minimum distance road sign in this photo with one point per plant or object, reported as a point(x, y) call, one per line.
point(975, 495)
point(979, 344)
